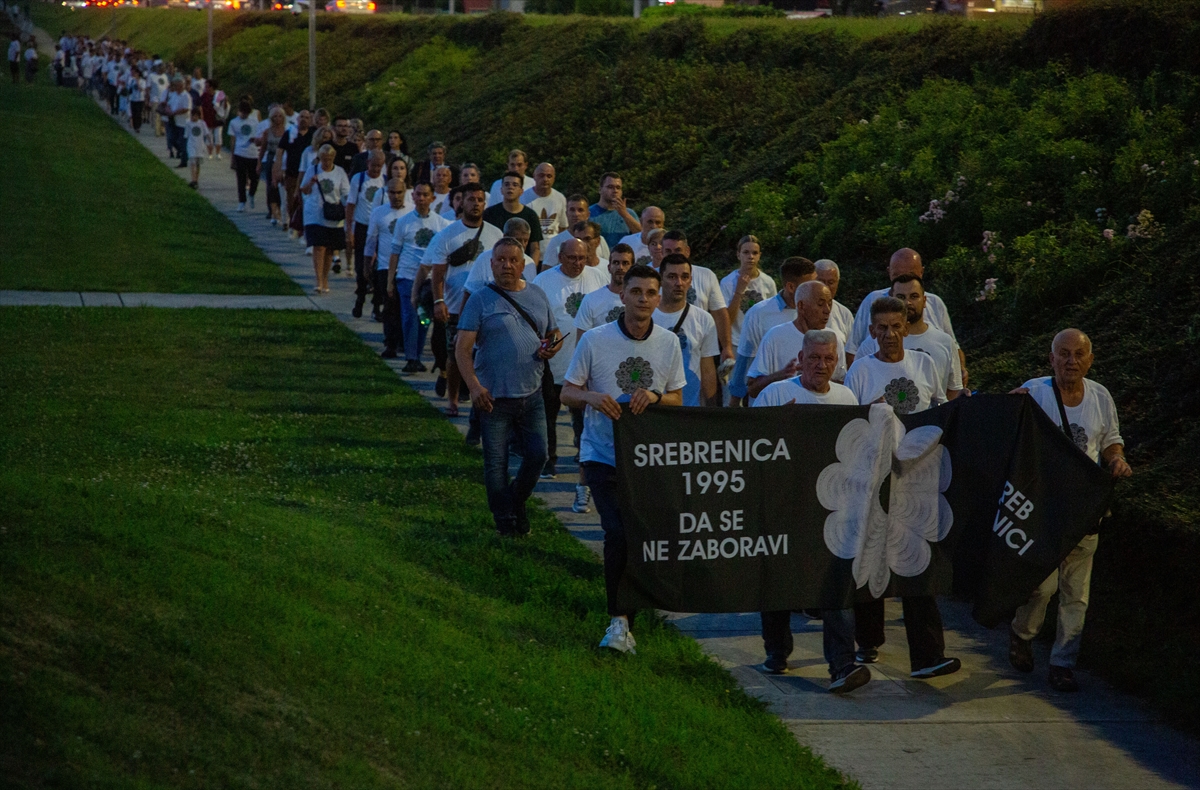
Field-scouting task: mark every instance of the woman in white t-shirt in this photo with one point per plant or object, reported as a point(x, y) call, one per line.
point(197, 138)
point(268, 143)
point(221, 110)
point(245, 153)
point(137, 100)
point(325, 185)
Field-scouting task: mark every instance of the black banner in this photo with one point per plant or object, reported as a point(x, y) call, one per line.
point(793, 507)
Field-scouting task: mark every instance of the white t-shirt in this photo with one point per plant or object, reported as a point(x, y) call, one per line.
point(410, 239)
point(551, 210)
point(936, 315)
point(641, 253)
point(760, 289)
point(158, 86)
point(781, 393)
point(565, 295)
point(759, 319)
point(908, 386)
point(198, 138)
point(697, 340)
point(495, 197)
point(610, 362)
point(481, 272)
point(601, 306)
point(137, 89)
point(332, 187)
point(180, 106)
point(841, 318)
point(1093, 422)
point(441, 205)
point(550, 255)
point(937, 344)
point(243, 132)
point(382, 225)
point(364, 191)
point(455, 235)
point(782, 344)
point(705, 292)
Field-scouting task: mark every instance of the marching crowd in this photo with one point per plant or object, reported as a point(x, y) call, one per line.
point(534, 300)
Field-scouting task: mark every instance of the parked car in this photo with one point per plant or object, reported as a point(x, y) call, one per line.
point(351, 6)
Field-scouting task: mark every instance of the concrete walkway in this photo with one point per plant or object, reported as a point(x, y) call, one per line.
point(112, 299)
point(987, 726)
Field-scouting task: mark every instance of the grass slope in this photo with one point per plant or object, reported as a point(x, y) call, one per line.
point(236, 552)
point(87, 208)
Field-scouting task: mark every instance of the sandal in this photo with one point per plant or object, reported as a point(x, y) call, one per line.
point(452, 410)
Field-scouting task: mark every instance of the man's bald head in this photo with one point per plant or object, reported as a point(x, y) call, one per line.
point(811, 292)
point(813, 304)
point(905, 261)
point(1071, 338)
point(653, 217)
point(544, 167)
point(572, 257)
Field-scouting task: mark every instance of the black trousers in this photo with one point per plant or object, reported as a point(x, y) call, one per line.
point(603, 480)
point(362, 275)
point(552, 398)
point(136, 110)
point(393, 327)
point(247, 174)
point(922, 625)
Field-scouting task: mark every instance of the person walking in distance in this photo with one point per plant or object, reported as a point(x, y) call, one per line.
point(631, 363)
point(1084, 410)
point(245, 154)
point(376, 256)
point(506, 334)
point(178, 111)
point(696, 330)
point(546, 202)
point(611, 212)
point(197, 136)
point(410, 239)
point(326, 188)
point(365, 187)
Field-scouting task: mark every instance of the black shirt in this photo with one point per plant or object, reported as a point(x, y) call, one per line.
point(345, 155)
point(498, 215)
point(294, 144)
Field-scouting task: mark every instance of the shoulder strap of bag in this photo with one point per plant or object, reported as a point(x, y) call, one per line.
point(1062, 410)
point(687, 307)
point(528, 318)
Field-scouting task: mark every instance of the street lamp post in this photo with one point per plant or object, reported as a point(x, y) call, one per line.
point(210, 69)
point(312, 54)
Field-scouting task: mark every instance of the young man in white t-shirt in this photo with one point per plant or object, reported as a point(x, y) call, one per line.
point(481, 270)
point(706, 290)
point(1092, 425)
point(908, 383)
point(565, 286)
point(546, 201)
point(695, 329)
point(813, 386)
point(518, 163)
point(779, 351)
point(924, 338)
point(629, 361)
point(365, 187)
point(604, 306)
point(779, 309)
point(577, 211)
point(410, 239)
point(376, 256)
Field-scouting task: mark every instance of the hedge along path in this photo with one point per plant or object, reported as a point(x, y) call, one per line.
point(984, 726)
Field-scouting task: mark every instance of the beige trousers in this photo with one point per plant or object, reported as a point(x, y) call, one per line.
point(1073, 580)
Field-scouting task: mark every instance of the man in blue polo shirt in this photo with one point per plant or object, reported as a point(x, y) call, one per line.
point(612, 215)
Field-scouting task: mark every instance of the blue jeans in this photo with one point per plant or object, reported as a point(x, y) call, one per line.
point(837, 639)
point(525, 420)
point(410, 322)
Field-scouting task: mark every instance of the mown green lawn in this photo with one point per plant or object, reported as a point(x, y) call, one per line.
point(86, 208)
point(235, 551)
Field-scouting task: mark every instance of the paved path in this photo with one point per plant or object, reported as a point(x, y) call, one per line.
point(984, 727)
point(113, 299)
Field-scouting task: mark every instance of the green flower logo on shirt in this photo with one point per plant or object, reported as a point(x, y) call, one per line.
point(327, 187)
point(371, 191)
point(633, 374)
point(614, 314)
point(246, 130)
point(392, 226)
point(902, 395)
point(749, 299)
point(573, 302)
point(422, 237)
point(195, 131)
point(691, 295)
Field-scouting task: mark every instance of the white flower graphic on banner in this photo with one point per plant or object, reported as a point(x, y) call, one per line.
point(917, 466)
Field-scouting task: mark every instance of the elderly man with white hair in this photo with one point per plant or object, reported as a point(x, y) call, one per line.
point(1086, 413)
point(813, 386)
point(779, 351)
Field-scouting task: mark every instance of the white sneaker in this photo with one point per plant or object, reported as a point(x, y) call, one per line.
point(583, 495)
point(241, 206)
point(617, 637)
point(308, 250)
point(252, 202)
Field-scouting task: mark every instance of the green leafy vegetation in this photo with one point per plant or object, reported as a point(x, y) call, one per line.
point(86, 208)
point(237, 551)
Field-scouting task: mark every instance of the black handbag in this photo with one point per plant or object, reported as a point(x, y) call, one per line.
point(332, 212)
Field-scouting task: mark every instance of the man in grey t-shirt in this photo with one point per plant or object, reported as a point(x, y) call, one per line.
point(513, 326)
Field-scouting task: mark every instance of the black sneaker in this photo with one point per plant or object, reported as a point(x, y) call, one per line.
point(440, 385)
point(849, 678)
point(523, 527)
point(413, 366)
point(337, 268)
point(775, 665)
point(550, 471)
point(389, 353)
point(867, 655)
point(473, 435)
point(1020, 652)
point(1062, 679)
point(357, 311)
point(947, 666)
